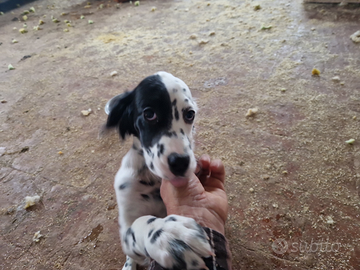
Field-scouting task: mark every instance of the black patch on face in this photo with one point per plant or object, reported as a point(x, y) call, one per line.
point(182, 131)
point(123, 186)
point(170, 219)
point(146, 253)
point(151, 166)
point(126, 111)
point(161, 149)
point(156, 235)
point(170, 134)
point(151, 220)
point(152, 93)
point(149, 234)
point(174, 102)
point(145, 197)
point(176, 114)
point(141, 152)
point(184, 89)
point(186, 100)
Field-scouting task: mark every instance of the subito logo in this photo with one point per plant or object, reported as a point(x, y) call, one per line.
point(279, 246)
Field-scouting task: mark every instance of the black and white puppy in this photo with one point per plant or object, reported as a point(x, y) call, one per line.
point(159, 113)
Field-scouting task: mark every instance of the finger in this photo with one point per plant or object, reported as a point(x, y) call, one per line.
point(205, 161)
point(190, 188)
point(217, 170)
point(204, 164)
point(167, 189)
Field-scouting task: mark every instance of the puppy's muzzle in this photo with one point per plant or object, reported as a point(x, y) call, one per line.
point(178, 164)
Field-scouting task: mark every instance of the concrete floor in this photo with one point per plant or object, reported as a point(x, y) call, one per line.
point(290, 174)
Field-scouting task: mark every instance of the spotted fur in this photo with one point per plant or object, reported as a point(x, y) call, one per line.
point(159, 114)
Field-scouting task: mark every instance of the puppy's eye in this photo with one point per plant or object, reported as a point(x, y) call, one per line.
point(189, 116)
point(149, 114)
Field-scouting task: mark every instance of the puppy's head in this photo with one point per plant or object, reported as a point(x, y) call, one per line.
point(160, 112)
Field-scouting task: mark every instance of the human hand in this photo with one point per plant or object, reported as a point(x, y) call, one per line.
point(202, 198)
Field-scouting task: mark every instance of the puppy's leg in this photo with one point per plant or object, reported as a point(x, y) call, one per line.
point(129, 206)
point(129, 264)
point(137, 195)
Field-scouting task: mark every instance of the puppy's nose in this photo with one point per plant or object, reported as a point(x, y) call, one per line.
point(178, 164)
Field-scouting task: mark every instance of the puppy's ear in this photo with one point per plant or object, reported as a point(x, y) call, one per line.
point(120, 110)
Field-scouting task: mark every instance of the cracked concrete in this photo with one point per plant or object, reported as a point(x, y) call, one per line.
point(290, 175)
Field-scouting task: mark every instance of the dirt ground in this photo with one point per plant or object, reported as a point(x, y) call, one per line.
point(292, 180)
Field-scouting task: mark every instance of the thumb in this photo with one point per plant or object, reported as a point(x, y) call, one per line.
point(190, 188)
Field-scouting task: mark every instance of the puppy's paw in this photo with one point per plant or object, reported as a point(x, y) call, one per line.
point(129, 264)
point(177, 242)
